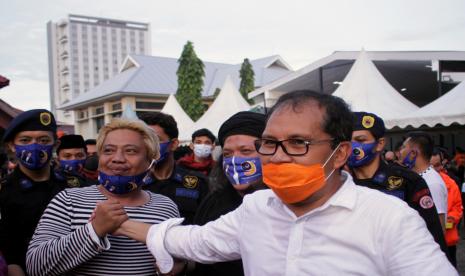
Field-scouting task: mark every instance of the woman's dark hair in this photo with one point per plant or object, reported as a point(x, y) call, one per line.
point(337, 120)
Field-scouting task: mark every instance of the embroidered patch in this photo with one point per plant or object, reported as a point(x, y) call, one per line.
point(182, 192)
point(394, 182)
point(426, 202)
point(416, 197)
point(73, 182)
point(368, 121)
point(190, 181)
point(45, 118)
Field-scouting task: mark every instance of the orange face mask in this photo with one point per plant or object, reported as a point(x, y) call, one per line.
point(294, 183)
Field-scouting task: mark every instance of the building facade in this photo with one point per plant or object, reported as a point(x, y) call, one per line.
point(85, 51)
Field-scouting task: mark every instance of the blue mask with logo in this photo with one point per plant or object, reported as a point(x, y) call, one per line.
point(123, 184)
point(34, 156)
point(410, 159)
point(72, 165)
point(163, 152)
point(362, 154)
point(241, 170)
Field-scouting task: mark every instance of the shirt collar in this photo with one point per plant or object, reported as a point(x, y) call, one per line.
point(345, 197)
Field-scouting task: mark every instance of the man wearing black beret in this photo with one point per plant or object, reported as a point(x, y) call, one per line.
point(25, 193)
point(369, 170)
point(71, 154)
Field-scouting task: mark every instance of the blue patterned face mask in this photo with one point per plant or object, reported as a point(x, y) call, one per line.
point(164, 152)
point(410, 159)
point(34, 156)
point(72, 165)
point(241, 170)
point(362, 154)
point(123, 184)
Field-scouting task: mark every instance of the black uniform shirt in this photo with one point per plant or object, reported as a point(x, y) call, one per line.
point(22, 202)
point(410, 187)
point(74, 179)
point(186, 188)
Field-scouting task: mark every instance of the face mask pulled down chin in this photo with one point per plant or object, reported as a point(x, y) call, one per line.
point(362, 154)
point(34, 156)
point(202, 150)
point(123, 184)
point(294, 183)
point(242, 170)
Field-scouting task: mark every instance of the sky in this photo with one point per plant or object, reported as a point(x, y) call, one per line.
point(300, 31)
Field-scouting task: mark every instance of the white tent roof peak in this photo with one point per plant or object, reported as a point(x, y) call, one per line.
point(129, 114)
point(365, 89)
point(173, 108)
point(228, 102)
point(445, 110)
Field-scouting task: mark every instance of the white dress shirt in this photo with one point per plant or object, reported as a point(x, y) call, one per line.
point(437, 187)
point(358, 231)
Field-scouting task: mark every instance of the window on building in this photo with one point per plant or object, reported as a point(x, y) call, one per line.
point(149, 105)
point(82, 114)
point(98, 110)
point(116, 106)
point(99, 122)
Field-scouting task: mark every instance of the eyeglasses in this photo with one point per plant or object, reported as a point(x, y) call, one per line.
point(292, 147)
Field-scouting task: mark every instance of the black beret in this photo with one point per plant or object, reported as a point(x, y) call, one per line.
point(71, 141)
point(34, 119)
point(370, 122)
point(244, 122)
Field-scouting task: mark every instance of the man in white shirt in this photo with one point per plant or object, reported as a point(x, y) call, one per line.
point(416, 153)
point(314, 220)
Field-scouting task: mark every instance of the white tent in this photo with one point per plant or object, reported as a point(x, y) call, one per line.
point(445, 110)
point(228, 102)
point(173, 108)
point(365, 89)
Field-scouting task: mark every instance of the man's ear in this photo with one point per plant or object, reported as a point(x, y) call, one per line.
point(174, 144)
point(342, 154)
point(191, 146)
point(380, 145)
point(11, 147)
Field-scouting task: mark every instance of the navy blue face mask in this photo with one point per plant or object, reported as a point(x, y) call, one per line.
point(72, 165)
point(123, 184)
point(34, 156)
point(241, 170)
point(362, 154)
point(410, 159)
point(164, 152)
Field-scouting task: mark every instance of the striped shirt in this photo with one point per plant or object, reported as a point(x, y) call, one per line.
point(64, 241)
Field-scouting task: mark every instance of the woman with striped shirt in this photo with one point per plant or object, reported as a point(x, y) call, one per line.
point(67, 241)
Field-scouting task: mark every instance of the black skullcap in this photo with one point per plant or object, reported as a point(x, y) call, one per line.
point(370, 122)
point(71, 141)
point(244, 122)
point(34, 119)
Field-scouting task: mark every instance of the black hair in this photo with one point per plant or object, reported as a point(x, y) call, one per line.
point(165, 121)
point(424, 141)
point(90, 142)
point(337, 120)
point(203, 132)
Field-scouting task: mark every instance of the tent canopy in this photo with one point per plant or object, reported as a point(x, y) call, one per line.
point(445, 110)
point(365, 89)
point(228, 102)
point(173, 108)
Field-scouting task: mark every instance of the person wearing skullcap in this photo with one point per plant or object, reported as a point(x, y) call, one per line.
point(71, 156)
point(25, 193)
point(369, 170)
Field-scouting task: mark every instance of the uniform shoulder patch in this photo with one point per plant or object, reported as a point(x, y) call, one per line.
point(426, 202)
point(190, 181)
point(395, 182)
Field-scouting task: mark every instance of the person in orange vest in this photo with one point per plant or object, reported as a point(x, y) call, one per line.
point(454, 204)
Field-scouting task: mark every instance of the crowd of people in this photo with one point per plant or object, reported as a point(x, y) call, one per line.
point(306, 189)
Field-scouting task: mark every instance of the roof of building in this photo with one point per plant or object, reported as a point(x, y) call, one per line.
point(151, 75)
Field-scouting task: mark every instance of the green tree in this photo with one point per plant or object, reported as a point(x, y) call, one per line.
point(247, 79)
point(190, 82)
